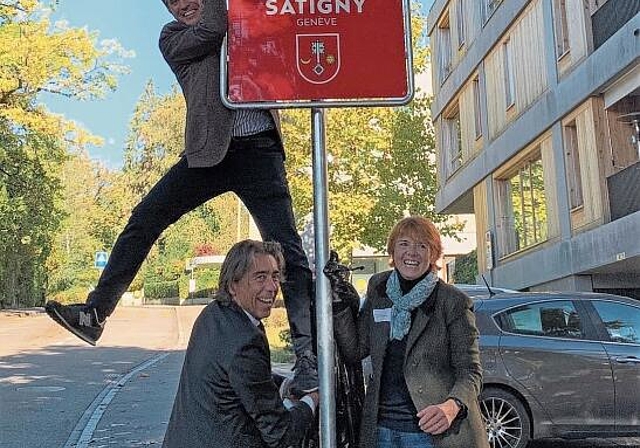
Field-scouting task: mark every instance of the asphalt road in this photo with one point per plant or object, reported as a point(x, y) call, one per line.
point(56, 391)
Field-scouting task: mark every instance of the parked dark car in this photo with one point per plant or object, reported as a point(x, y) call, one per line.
point(559, 365)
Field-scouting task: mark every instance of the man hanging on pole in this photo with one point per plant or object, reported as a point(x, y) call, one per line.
point(225, 150)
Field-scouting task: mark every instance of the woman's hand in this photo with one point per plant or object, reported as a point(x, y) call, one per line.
point(437, 418)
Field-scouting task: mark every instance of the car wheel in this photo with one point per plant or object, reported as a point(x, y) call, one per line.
point(506, 420)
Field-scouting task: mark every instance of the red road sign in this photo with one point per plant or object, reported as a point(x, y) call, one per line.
point(318, 50)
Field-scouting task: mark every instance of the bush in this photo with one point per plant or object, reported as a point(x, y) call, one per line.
point(162, 290)
point(283, 351)
point(285, 338)
point(206, 282)
point(277, 328)
point(75, 294)
point(466, 269)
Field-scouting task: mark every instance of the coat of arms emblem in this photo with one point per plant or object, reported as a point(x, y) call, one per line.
point(318, 56)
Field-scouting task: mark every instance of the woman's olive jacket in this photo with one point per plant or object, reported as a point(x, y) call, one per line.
point(442, 358)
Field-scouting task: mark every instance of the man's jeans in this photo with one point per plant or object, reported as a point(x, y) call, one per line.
point(390, 438)
point(254, 170)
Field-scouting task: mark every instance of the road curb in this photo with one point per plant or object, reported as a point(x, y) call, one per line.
point(22, 312)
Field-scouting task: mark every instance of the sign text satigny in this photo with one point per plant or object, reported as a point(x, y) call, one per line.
point(299, 53)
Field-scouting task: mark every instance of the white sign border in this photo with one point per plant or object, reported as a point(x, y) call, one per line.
point(300, 104)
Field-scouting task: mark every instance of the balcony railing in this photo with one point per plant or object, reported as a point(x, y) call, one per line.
point(623, 190)
point(610, 17)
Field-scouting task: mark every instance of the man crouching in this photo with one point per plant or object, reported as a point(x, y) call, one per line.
point(227, 397)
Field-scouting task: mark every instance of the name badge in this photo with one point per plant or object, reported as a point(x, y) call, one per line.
point(382, 315)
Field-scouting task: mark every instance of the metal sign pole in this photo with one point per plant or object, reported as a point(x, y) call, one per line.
point(324, 315)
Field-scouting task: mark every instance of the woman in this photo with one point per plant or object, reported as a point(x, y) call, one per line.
point(423, 342)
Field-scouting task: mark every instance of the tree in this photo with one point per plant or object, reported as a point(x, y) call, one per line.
point(156, 138)
point(37, 58)
point(84, 229)
point(28, 215)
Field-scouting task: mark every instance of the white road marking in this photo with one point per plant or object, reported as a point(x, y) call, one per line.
point(97, 408)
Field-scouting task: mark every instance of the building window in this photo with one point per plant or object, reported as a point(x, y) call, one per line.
point(452, 136)
point(444, 48)
point(477, 108)
point(460, 23)
point(509, 81)
point(562, 29)
point(572, 157)
point(523, 206)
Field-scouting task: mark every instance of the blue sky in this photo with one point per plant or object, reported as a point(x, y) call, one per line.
point(136, 25)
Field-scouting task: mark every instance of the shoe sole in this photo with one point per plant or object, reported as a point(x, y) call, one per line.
point(298, 394)
point(312, 389)
point(302, 392)
point(57, 317)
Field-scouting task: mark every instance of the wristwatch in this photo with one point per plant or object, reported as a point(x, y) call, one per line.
point(463, 409)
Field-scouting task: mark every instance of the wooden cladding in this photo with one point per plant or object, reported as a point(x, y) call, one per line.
point(527, 65)
point(583, 165)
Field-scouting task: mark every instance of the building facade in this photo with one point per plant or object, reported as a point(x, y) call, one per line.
point(536, 109)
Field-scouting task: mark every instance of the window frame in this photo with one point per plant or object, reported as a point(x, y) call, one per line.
point(508, 75)
point(477, 108)
point(561, 28)
point(460, 25)
point(451, 122)
point(509, 238)
point(445, 50)
point(572, 164)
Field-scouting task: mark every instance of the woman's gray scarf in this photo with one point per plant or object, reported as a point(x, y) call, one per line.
point(403, 305)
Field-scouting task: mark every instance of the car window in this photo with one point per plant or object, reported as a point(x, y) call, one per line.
point(556, 319)
point(621, 321)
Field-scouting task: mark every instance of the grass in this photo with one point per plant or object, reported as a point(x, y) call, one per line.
point(277, 326)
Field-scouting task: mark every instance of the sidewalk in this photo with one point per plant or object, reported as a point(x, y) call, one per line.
point(138, 411)
point(135, 412)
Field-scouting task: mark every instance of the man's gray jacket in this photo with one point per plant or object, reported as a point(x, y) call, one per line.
point(193, 53)
point(227, 397)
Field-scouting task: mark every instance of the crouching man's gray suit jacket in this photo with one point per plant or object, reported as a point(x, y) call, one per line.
point(227, 397)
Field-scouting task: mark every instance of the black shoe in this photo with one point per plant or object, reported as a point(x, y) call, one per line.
point(305, 377)
point(80, 319)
